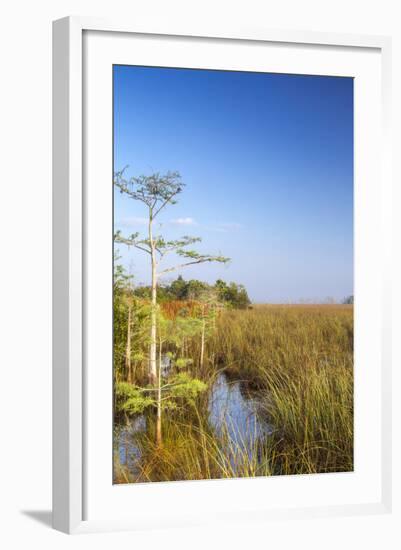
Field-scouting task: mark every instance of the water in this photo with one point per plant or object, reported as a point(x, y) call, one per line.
point(125, 443)
point(233, 412)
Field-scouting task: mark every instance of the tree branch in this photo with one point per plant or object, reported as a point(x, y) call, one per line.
point(131, 241)
point(198, 261)
point(143, 249)
point(166, 202)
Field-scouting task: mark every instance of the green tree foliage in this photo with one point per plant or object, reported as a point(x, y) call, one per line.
point(131, 399)
point(122, 290)
point(124, 298)
point(177, 386)
point(229, 294)
point(233, 294)
point(184, 387)
point(155, 192)
point(179, 390)
point(349, 300)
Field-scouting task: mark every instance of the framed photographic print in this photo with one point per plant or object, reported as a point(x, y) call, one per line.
point(220, 275)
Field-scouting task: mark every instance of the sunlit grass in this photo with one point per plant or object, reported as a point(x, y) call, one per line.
point(299, 359)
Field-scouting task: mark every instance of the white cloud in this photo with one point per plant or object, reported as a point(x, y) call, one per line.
point(183, 221)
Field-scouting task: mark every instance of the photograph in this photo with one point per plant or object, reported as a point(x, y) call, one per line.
point(233, 274)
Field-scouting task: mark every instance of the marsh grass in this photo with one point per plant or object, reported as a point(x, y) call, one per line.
point(299, 359)
point(194, 452)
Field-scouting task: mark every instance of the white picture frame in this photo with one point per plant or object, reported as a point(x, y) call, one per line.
point(70, 424)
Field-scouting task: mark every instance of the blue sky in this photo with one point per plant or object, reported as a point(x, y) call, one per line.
point(267, 160)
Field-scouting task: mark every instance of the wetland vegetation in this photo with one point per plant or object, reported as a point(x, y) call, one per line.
point(208, 385)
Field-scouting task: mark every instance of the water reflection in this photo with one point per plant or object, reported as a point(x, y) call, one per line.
point(234, 409)
point(233, 413)
point(125, 443)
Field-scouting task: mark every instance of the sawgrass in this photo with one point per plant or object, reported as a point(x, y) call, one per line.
point(299, 360)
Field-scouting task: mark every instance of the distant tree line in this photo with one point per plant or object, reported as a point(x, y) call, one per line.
point(231, 294)
point(349, 300)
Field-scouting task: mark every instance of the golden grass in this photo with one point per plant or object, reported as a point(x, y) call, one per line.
point(299, 358)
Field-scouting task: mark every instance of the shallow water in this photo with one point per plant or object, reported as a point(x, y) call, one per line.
point(233, 412)
point(125, 443)
point(234, 408)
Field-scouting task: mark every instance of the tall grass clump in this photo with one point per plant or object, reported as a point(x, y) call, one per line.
point(301, 360)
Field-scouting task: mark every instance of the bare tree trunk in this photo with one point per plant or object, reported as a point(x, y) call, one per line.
point(159, 400)
point(202, 342)
point(152, 353)
point(214, 314)
point(128, 348)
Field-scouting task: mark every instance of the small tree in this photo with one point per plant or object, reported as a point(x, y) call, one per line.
point(122, 306)
point(130, 325)
point(156, 192)
point(208, 306)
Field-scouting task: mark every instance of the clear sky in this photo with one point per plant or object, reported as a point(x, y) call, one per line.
point(267, 160)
